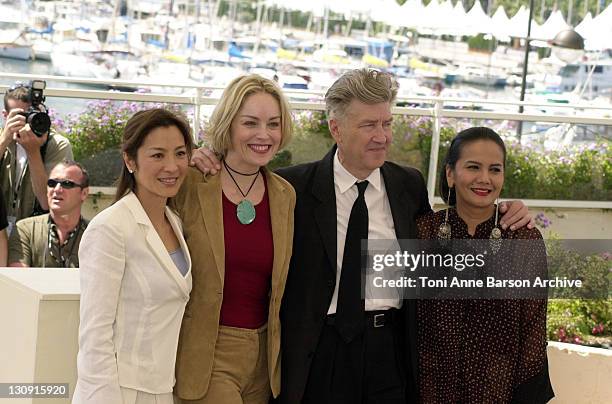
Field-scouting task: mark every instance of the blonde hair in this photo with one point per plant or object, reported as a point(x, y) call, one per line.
point(366, 85)
point(219, 129)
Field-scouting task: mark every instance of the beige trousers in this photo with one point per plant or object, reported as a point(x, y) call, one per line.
point(131, 396)
point(240, 368)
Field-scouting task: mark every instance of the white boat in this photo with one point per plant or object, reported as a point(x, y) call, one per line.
point(169, 72)
point(16, 51)
point(13, 43)
point(551, 136)
point(482, 76)
point(577, 74)
point(99, 65)
point(292, 82)
point(411, 87)
point(43, 48)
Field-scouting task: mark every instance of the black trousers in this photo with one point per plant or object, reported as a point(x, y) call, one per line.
point(369, 369)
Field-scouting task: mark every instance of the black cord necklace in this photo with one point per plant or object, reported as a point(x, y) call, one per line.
point(238, 172)
point(245, 211)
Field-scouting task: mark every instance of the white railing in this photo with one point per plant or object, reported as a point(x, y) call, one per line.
point(193, 95)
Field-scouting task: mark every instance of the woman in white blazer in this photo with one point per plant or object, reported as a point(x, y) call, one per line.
point(135, 272)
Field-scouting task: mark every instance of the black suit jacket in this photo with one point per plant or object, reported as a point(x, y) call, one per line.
point(312, 272)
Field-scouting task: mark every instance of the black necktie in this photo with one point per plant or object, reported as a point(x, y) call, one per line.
point(351, 307)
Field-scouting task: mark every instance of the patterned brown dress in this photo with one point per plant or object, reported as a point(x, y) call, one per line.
point(485, 350)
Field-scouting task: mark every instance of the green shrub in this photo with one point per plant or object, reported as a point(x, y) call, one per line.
point(580, 321)
point(311, 138)
point(581, 316)
point(576, 173)
point(480, 43)
point(96, 135)
point(595, 271)
point(282, 159)
point(101, 126)
point(581, 172)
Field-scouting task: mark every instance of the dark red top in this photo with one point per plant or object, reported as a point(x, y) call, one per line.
point(249, 255)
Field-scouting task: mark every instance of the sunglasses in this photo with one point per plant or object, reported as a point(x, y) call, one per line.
point(66, 184)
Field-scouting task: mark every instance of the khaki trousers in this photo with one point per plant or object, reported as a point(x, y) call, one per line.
point(240, 368)
point(131, 396)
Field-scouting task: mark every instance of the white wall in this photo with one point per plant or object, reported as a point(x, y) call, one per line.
point(580, 374)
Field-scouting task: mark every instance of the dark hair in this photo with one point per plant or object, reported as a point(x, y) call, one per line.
point(71, 163)
point(463, 138)
point(19, 93)
point(135, 132)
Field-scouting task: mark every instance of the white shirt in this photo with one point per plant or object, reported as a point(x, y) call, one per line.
point(20, 165)
point(132, 304)
point(20, 161)
point(380, 224)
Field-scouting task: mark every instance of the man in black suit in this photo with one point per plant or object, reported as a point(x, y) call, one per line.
point(321, 363)
point(339, 346)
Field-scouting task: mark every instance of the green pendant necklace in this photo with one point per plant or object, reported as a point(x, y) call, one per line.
point(245, 211)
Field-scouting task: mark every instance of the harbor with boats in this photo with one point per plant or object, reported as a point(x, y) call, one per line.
point(438, 49)
point(459, 65)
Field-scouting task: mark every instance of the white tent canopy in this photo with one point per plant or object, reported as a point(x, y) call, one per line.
point(452, 19)
point(445, 19)
point(387, 11)
point(427, 21)
point(589, 31)
point(477, 22)
point(410, 14)
point(599, 36)
point(348, 8)
point(585, 25)
point(501, 23)
point(518, 24)
point(551, 27)
point(438, 19)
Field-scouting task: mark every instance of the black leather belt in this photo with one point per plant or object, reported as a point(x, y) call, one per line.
point(374, 319)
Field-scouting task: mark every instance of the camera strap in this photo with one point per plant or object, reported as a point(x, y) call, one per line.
point(37, 209)
point(21, 165)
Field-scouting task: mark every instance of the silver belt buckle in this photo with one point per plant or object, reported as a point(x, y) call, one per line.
point(377, 317)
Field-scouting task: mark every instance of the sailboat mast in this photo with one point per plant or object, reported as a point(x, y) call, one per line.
point(170, 15)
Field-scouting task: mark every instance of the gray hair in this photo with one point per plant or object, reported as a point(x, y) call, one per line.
point(366, 85)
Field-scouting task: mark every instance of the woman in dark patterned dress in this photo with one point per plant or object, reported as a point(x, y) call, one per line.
point(481, 350)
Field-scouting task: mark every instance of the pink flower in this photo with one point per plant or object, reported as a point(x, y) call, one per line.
point(561, 334)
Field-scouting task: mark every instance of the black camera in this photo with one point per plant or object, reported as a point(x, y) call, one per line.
point(39, 120)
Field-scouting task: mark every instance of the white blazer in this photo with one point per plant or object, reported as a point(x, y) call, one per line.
point(132, 302)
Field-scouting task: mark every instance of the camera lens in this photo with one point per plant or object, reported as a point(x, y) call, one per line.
point(40, 123)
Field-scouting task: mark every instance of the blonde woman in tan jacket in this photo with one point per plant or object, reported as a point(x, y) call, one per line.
point(239, 228)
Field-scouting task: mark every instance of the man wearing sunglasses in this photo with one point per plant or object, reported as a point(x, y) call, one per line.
point(52, 240)
point(26, 159)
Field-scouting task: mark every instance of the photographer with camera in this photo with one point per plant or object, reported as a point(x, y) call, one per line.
point(28, 151)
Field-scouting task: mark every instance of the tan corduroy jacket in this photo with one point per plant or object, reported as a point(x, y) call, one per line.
point(199, 204)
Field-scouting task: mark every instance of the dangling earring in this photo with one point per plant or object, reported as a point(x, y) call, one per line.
point(495, 237)
point(444, 231)
point(130, 170)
